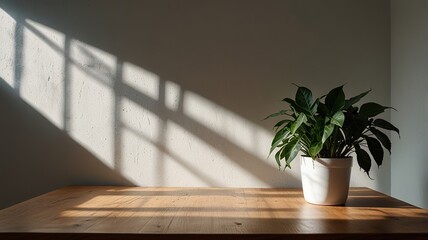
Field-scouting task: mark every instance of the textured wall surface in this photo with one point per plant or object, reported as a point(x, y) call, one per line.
point(172, 93)
point(409, 82)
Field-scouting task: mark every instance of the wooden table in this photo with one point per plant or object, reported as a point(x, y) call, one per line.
point(206, 213)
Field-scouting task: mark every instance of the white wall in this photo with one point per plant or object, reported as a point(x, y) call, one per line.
point(409, 84)
point(172, 93)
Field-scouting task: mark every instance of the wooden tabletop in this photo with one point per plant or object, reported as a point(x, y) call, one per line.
point(94, 212)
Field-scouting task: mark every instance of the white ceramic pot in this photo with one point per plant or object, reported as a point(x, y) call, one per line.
point(326, 180)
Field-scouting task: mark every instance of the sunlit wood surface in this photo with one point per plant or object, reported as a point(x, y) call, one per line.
point(95, 212)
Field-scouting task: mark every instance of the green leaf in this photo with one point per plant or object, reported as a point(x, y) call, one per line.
point(355, 125)
point(382, 138)
point(282, 112)
point(327, 120)
point(289, 101)
point(372, 109)
point(385, 125)
point(298, 122)
point(294, 106)
point(328, 130)
point(363, 159)
point(375, 149)
point(277, 158)
point(338, 119)
point(304, 99)
point(278, 138)
point(335, 100)
point(314, 106)
point(355, 99)
point(314, 149)
point(278, 124)
point(322, 108)
point(291, 150)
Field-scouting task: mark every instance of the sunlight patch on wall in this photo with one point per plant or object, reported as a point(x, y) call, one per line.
point(95, 64)
point(140, 120)
point(139, 143)
point(195, 160)
point(141, 80)
point(158, 152)
point(153, 131)
point(229, 125)
point(7, 47)
point(172, 95)
point(137, 158)
point(55, 37)
point(40, 82)
point(92, 100)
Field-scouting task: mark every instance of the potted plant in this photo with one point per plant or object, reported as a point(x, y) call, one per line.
point(327, 130)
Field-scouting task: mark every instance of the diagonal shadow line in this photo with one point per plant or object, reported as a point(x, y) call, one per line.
point(98, 64)
point(70, 60)
point(19, 48)
point(117, 140)
point(175, 157)
point(228, 148)
point(118, 83)
point(55, 145)
point(161, 135)
point(203, 134)
point(67, 92)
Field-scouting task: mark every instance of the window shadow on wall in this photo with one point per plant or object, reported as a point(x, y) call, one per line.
point(192, 64)
point(38, 157)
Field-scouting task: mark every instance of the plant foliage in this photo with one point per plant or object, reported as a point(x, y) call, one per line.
point(330, 126)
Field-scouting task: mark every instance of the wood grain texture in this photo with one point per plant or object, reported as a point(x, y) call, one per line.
point(235, 213)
